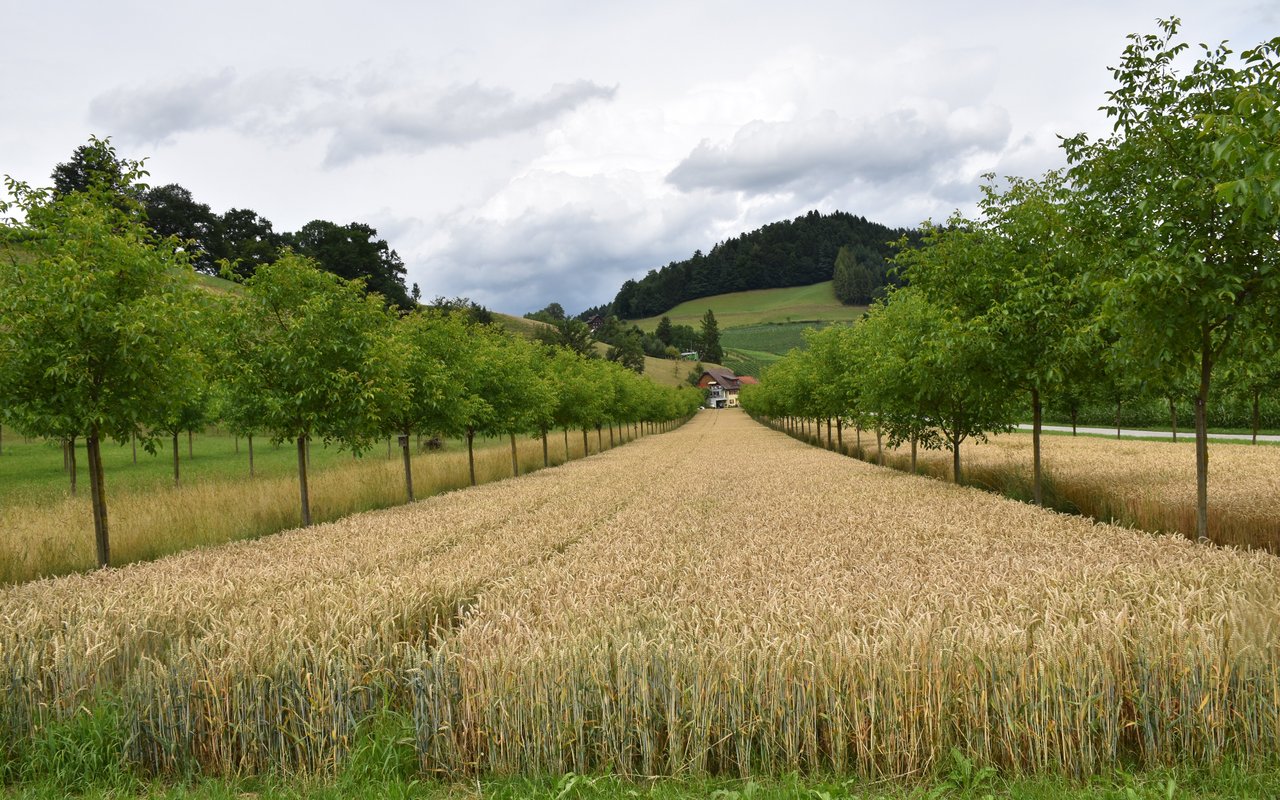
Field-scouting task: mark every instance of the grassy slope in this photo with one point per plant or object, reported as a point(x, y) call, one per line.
point(759, 327)
point(216, 284)
point(815, 303)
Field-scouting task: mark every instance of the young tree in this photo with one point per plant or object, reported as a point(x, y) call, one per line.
point(93, 320)
point(1193, 260)
point(425, 359)
point(1039, 311)
point(307, 341)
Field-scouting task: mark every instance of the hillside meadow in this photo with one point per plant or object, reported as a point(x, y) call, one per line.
point(814, 303)
point(653, 612)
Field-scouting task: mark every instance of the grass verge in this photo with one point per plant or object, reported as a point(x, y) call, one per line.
point(45, 532)
point(1226, 781)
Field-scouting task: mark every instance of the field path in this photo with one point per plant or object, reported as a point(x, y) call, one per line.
point(720, 598)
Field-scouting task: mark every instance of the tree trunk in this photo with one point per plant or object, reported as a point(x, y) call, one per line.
point(1256, 392)
point(599, 440)
point(251, 455)
point(840, 433)
point(913, 453)
point(858, 445)
point(471, 455)
point(586, 448)
point(133, 440)
point(191, 448)
point(175, 459)
point(408, 465)
point(515, 464)
point(1202, 439)
point(828, 433)
point(566, 446)
point(1117, 419)
point(611, 444)
point(546, 456)
point(955, 459)
point(879, 446)
point(1037, 494)
point(71, 463)
point(389, 448)
point(97, 488)
point(237, 444)
point(302, 481)
point(1074, 414)
point(1173, 419)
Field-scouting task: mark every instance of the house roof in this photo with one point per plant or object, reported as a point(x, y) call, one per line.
point(747, 380)
point(724, 377)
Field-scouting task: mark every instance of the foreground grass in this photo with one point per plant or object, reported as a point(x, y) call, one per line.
point(1222, 783)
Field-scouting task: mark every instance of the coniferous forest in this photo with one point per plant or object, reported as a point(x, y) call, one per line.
point(795, 252)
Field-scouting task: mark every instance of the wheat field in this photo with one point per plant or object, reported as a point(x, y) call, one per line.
point(719, 599)
point(1145, 484)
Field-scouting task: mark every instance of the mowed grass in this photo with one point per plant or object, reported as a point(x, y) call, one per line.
point(643, 613)
point(814, 303)
point(44, 530)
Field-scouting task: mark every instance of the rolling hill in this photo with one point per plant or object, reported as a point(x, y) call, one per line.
point(759, 327)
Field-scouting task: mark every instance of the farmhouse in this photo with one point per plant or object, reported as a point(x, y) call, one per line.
point(722, 386)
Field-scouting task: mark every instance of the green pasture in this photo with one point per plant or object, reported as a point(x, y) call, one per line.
point(32, 471)
point(814, 303)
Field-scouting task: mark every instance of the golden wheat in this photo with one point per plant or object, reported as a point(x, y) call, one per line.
point(718, 599)
point(1145, 484)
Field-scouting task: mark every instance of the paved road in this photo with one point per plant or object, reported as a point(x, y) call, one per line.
point(1182, 434)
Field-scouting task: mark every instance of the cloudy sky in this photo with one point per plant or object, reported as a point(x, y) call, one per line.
point(525, 152)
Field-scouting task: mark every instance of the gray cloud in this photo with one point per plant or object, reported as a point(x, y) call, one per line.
point(817, 155)
point(362, 116)
point(157, 115)
point(456, 116)
point(576, 253)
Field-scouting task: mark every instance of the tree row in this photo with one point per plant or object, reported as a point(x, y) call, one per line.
point(1150, 267)
point(105, 335)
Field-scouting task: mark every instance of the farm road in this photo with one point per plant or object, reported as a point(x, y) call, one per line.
point(1189, 435)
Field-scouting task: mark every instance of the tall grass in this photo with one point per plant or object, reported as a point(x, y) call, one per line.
point(56, 537)
point(651, 611)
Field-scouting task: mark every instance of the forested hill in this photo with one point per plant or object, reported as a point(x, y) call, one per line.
point(795, 252)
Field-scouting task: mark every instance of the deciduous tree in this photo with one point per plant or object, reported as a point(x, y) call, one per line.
point(93, 319)
point(1190, 228)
